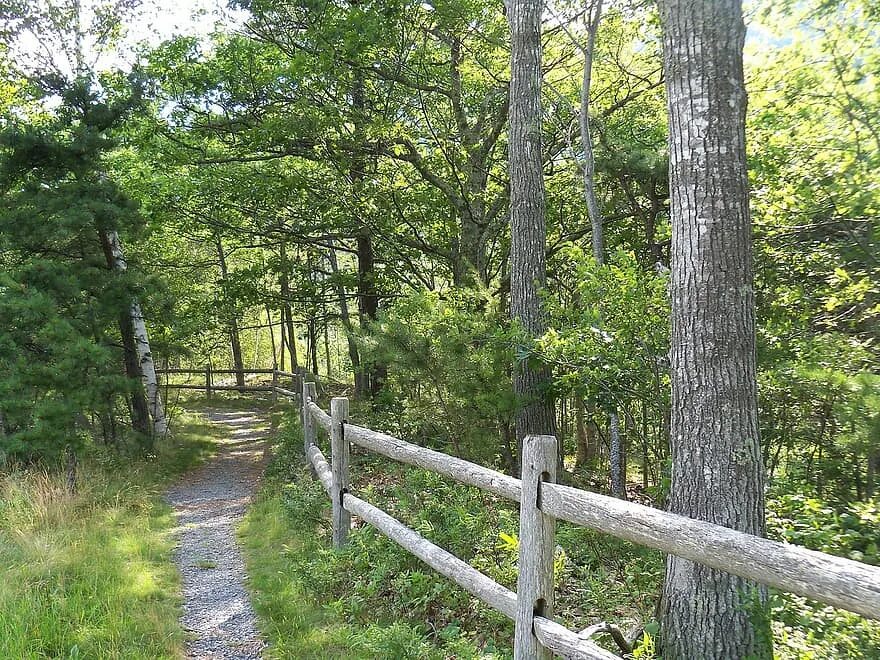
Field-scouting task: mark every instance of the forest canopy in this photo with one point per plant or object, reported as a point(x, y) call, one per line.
point(329, 188)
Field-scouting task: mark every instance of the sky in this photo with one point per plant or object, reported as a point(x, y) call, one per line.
point(155, 21)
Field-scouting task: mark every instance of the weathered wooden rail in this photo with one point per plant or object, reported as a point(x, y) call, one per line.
point(209, 386)
point(843, 583)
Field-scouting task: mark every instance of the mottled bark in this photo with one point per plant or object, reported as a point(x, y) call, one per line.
point(535, 414)
point(140, 411)
point(116, 260)
point(717, 474)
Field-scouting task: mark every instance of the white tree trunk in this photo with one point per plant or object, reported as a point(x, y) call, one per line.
point(142, 343)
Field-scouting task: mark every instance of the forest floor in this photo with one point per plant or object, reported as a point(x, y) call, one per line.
point(209, 503)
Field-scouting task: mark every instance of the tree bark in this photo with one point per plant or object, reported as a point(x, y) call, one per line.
point(116, 261)
point(361, 386)
point(140, 411)
point(616, 457)
point(234, 336)
point(589, 164)
point(617, 447)
point(716, 461)
point(286, 312)
point(535, 413)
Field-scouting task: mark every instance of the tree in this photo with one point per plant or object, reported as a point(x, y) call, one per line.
point(717, 473)
point(528, 262)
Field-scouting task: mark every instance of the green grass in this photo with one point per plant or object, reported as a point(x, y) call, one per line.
point(90, 575)
point(303, 611)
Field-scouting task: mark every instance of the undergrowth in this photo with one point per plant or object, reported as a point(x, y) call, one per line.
point(90, 575)
point(373, 599)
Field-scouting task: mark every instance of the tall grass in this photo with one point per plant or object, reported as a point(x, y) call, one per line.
point(89, 575)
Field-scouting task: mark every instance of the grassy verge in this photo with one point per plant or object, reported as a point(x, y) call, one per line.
point(90, 575)
point(373, 599)
point(298, 583)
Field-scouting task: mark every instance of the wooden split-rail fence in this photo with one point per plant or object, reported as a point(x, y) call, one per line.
point(210, 385)
point(836, 581)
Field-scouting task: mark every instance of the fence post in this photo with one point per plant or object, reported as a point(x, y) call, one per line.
point(339, 459)
point(537, 542)
point(309, 436)
point(208, 382)
point(274, 385)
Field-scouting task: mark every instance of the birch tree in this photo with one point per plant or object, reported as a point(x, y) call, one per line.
point(716, 461)
point(141, 338)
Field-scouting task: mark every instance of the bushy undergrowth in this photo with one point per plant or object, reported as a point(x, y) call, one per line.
point(374, 599)
point(804, 629)
point(90, 575)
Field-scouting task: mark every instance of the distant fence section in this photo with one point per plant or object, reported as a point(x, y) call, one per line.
point(209, 385)
point(836, 581)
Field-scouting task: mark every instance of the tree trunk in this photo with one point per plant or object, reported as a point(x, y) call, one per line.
point(70, 469)
point(368, 296)
point(313, 345)
point(140, 411)
point(535, 414)
point(286, 312)
point(272, 336)
point(716, 461)
point(234, 336)
point(327, 345)
point(582, 456)
point(617, 448)
point(616, 457)
point(116, 261)
point(589, 164)
point(361, 386)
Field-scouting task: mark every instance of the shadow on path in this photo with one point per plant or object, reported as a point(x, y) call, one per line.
point(209, 502)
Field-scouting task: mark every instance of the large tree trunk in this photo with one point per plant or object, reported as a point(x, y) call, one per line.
point(142, 344)
point(140, 409)
point(535, 414)
point(716, 455)
point(234, 335)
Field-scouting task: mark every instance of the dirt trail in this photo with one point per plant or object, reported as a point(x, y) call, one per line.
point(209, 502)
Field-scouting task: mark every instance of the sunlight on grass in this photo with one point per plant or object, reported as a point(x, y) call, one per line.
point(90, 575)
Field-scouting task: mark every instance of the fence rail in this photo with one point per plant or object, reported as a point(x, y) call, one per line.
point(840, 582)
point(209, 386)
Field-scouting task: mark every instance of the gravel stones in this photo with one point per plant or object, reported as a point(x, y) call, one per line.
point(209, 503)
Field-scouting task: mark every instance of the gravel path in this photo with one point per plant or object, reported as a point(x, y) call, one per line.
point(209, 502)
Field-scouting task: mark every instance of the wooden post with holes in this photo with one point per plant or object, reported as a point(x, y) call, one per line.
point(309, 435)
point(339, 464)
point(208, 382)
point(537, 542)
